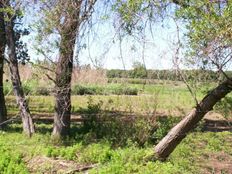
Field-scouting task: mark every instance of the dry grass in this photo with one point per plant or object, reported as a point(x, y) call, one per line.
point(42, 164)
point(80, 76)
point(89, 76)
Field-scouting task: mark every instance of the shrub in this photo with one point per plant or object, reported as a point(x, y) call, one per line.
point(100, 90)
point(87, 90)
point(7, 89)
point(164, 124)
point(27, 89)
point(117, 129)
point(125, 91)
point(225, 106)
point(41, 91)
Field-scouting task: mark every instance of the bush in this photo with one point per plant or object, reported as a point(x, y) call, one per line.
point(87, 90)
point(7, 89)
point(225, 106)
point(117, 129)
point(164, 125)
point(125, 91)
point(100, 90)
point(27, 89)
point(41, 91)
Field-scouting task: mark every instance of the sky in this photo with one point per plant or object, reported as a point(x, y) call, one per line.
point(101, 46)
point(157, 51)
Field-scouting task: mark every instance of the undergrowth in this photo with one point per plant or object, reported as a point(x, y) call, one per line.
point(130, 158)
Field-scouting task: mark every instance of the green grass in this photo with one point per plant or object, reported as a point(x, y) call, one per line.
point(187, 157)
point(116, 146)
point(167, 99)
point(152, 97)
point(137, 104)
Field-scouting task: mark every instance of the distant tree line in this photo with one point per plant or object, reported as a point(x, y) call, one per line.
point(200, 75)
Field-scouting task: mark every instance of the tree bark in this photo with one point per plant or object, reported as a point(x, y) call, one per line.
point(63, 96)
point(64, 69)
point(3, 111)
point(28, 126)
point(165, 147)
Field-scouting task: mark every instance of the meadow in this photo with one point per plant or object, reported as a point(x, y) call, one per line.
point(115, 132)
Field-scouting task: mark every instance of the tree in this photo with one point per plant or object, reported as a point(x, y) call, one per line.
point(139, 70)
point(208, 44)
point(70, 16)
point(12, 40)
point(209, 36)
point(3, 112)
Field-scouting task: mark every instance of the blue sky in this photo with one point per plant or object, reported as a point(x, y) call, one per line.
point(105, 48)
point(102, 46)
point(157, 51)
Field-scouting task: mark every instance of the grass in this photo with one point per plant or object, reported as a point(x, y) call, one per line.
point(138, 104)
point(117, 146)
point(166, 99)
point(151, 97)
point(188, 157)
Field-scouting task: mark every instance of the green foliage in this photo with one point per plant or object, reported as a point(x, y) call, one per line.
point(97, 153)
point(225, 106)
point(196, 149)
point(208, 33)
point(124, 91)
point(11, 162)
point(139, 70)
point(127, 11)
point(30, 88)
point(87, 90)
point(7, 88)
point(68, 153)
point(199, 75)
point(100, 90)
point(42, 91)
point(164, 126)
point(116, 128)
point(131, 12)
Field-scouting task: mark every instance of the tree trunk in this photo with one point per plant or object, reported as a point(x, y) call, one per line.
point(3, 113)
point(165, 147)
point(63, 96)
point(64, 69)
point(28, 126)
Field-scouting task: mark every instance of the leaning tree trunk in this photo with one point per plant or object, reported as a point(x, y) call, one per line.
point(28, 126)
point(3, 112)
point(64, 69)
point(177, 133)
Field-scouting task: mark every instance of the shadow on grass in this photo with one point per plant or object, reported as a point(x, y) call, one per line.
point(92, 125)
point(217, 125)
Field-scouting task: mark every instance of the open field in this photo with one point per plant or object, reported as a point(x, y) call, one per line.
point(162, 98)
point(118, 146)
